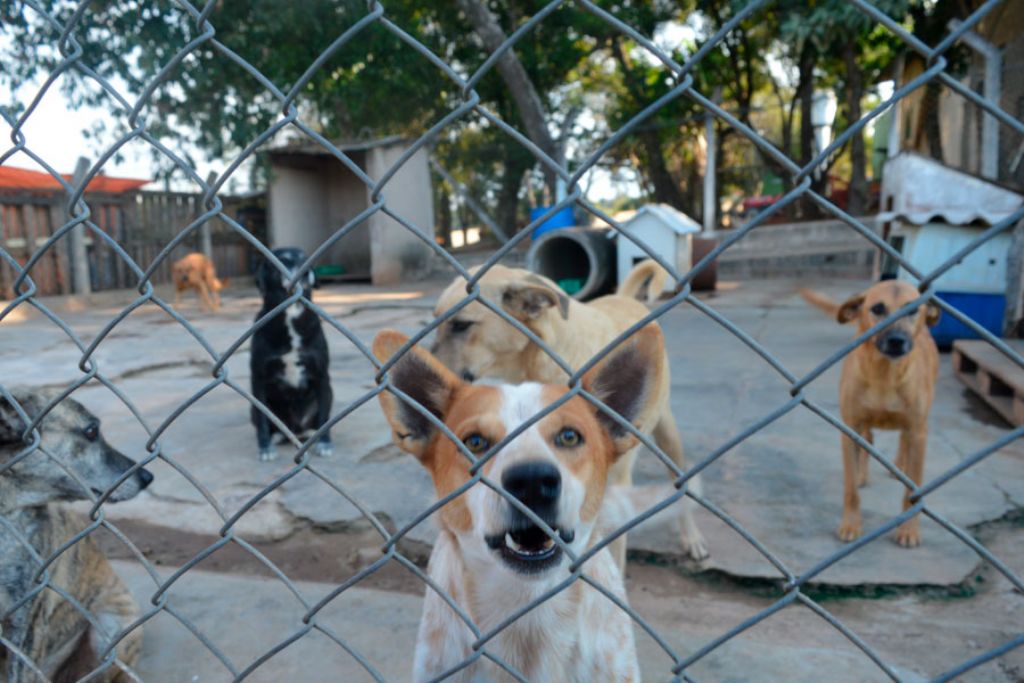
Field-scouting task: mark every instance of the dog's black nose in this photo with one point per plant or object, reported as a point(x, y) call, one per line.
point(895, 345)
point(146, 477)
point(468, 376)
point(536, 484)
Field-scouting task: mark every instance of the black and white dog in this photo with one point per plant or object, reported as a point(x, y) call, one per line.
point(289, 360)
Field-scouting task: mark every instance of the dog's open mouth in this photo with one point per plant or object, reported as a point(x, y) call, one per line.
point(527, 549)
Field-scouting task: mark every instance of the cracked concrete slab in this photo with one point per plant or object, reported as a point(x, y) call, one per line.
point(381, 627)
point(783, 484)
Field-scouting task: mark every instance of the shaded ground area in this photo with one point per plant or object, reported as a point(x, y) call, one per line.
point(924, 609)
point(913, 630)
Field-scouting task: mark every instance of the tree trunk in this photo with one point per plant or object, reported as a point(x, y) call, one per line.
point(805, 95)
point(654, 168)
point(857, 198)
point(666, 189)
point(520, 87)
point(444, 211)
point(516, 164)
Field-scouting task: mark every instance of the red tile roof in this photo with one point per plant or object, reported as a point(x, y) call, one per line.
point(23, 179)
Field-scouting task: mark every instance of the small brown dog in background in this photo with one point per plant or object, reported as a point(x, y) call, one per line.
point(195, 271)
point(887, 382)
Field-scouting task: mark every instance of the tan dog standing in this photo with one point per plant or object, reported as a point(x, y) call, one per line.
point(197, 272)
point(478, 343)
point(887, 382)
point(490, 558)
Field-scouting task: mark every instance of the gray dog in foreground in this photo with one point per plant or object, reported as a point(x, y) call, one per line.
point(65, 639)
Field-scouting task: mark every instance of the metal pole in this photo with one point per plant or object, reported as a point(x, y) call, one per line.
point(710, 198)
point(710, 202)
point(79, 258)
point(205, 238)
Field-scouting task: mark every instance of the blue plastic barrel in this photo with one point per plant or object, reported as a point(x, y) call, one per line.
point(985, 309)
point(563, 218)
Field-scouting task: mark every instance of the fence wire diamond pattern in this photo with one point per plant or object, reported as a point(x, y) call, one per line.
point(67, 41)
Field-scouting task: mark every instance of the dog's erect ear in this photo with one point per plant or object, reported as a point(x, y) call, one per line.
point(527, 301)
point(627, 382)
point(932, 313)
point(12, 426)
point(423, 378)
point(850, 309)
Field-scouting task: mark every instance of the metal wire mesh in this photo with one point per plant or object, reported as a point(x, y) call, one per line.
point(682, 79)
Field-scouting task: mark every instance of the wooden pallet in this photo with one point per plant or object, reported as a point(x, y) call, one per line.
point(994, 377)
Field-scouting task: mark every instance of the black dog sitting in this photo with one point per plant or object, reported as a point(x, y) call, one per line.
point(289, 360)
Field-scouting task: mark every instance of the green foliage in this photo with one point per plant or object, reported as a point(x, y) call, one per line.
point(376, 84)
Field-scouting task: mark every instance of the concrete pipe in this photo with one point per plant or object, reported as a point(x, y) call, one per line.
point(580, 260)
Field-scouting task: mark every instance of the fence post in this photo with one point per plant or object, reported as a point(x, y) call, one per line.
point(78, 257)
point(205, 238)
point(710, 196)
point(1013, 320)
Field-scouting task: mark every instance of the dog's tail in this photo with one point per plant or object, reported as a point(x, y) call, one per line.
point(647, 274)
point(820, 301)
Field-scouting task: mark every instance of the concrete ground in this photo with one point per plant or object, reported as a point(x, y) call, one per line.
point(924, 609)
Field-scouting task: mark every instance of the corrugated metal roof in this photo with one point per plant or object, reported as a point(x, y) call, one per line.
point(312, 147)
point(921, 190)
point(24, 179)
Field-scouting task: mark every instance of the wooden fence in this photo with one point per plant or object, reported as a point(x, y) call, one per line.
point(141, 222)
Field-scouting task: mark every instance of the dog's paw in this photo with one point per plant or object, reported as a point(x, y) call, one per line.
point(268, 454)
point(695, 548)
point(324, 449)
point(849, 530)
point(908, 535)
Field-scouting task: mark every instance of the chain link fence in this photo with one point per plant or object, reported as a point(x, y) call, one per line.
point(161, 601)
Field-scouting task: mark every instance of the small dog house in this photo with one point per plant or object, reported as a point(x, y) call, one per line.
point(931, 212)
point(668, 232)
point(312, 194)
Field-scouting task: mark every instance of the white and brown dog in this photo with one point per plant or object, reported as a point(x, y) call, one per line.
point(477, 342)
point(490, 558)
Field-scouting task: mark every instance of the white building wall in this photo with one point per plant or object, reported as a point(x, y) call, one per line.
point(396, 253)
point(297, 210)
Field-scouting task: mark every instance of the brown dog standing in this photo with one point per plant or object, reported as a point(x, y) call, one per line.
point(197, 272)
point(887, 382)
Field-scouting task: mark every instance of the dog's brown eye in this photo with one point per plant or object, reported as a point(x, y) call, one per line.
point(92, 432)
point(458, 326)
point(476, 443)
point(879, 310)
point(568, 438)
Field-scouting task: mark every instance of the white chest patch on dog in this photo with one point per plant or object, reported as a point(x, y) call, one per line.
point(292, 367)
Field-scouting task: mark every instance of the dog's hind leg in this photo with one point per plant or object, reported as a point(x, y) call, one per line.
point(911, 458)
point(666, 435)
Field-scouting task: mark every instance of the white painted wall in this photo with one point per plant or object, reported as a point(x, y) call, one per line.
point(396, 253)
point(312, 197)
point(297, 211)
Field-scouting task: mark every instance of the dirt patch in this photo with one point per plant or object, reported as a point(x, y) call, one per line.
point(307, 555)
